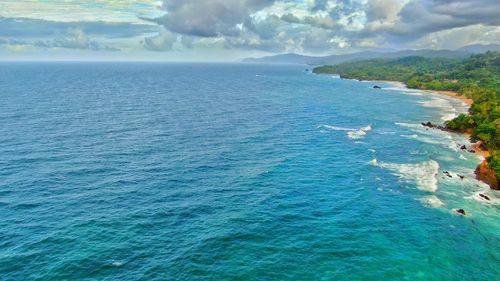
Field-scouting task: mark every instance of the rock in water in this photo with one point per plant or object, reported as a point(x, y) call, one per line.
point(487, 175)
point(484, 196)
point(377, 87)
point(461, 211)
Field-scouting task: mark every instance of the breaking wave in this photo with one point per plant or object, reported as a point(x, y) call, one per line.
point(353, 134)
point(423, 174)
point(432, 201)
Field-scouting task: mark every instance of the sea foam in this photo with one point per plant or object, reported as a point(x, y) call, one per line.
point(352, 133)
point(423, 174)
point(448, 111)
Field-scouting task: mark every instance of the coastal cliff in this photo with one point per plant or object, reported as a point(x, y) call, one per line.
point(487, 175)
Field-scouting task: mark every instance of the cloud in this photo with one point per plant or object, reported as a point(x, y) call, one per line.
point(117, 11)
point(321, 21)
point(419, 18)
point(459, 37)
point(273, 26)
point(163, 41)
point(29, 28)
point(209, 18)
point(72, 39)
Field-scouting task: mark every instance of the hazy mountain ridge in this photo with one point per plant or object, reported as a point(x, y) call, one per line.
point(336, 59)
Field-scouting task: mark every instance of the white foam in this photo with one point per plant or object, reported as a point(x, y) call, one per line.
point(432, 201)
point(335, 128)
point(448, 116)
point(352, 133)
point(493, 199)
point(358, 134)
point(423, 174)
point(448, 110)
point(405, 91)
point(437, 103)
point(437, 139)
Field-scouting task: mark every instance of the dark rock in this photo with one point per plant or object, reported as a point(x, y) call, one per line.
point(484, 196)
point(434, 126)
point(447, 174)
point(461, 177)
point(428, 124)
point(463, 147)
point(460, 211)
point(471, 151)
point(377, 87)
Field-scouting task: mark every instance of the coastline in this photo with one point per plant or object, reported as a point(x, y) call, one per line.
point(478, 150)
point(452, 94)
point(483, 172)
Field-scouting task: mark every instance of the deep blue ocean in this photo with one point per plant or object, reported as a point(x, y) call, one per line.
point(152, 171)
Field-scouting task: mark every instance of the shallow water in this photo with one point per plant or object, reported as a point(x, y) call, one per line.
point(221, 172)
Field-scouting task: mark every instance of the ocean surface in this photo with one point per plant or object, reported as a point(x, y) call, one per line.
point(137, 171)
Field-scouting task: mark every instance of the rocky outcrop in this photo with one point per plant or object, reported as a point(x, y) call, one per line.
point(487, 175)
point(377, 87)
point(434, 126)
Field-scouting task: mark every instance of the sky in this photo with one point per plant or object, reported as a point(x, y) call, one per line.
point(228, 30)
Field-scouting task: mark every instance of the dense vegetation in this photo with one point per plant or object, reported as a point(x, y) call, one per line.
point(476, 77)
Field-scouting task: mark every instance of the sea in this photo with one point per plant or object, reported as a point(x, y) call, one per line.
point(198, 171)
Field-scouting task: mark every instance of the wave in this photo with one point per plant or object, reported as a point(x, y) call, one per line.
point(479, 196)
point(352, 133)
point(423, 174)
point(435, 137)
point(432, 201)
point(335, 128)
point(448, 110)
point(405, 91)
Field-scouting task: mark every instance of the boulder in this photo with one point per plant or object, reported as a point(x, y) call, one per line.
point(484, 196)
point(460, 211)
point(377, 87)
point(428, 124)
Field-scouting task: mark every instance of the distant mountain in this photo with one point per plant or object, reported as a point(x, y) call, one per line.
point(478, 48)
point(336, 59)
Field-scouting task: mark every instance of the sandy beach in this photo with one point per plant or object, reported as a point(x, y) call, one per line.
point(454, 95)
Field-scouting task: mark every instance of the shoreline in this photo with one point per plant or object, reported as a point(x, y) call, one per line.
point(478, 151)
point(452, 94)
point(475, 146)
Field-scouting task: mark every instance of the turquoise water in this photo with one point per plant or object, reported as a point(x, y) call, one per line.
point(233, 172)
